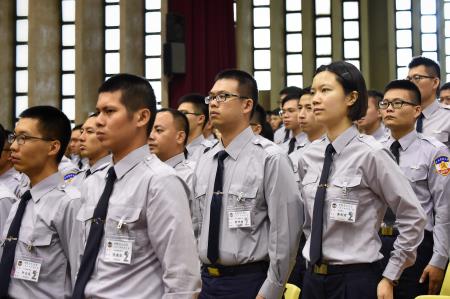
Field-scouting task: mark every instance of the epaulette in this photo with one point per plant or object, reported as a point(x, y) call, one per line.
point(71, 191)
point(267, 145)
point(370, 141)
point(6, 193)
point(431, 139)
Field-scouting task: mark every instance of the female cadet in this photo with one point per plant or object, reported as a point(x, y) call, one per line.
point(347, 182)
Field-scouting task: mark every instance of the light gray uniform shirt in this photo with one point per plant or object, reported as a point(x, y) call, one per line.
point(299, 142)
point(11, 179)
point(197, 147)
point(279, 134)
point(365, 180)
point(7, 199)
point(148, 215)
point(258, 181)
point(436, 122)
point(79, 179)
point(184, 168)
point(381, 133)
point(45, 238)
point(422, 160)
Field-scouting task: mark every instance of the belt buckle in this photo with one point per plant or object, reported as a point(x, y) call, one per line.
point(321, 269)
point(387, 231)
point(213, 271)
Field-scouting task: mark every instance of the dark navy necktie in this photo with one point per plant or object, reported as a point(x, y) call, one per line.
point(419, 125)
point(215, 211)
point(389, 217)
point(94, 238)
point(9, 246)
point(291, 145)
point(315, 250)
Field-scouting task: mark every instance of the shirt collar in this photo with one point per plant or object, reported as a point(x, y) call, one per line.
point(236, 146)
point(197, 141)
point(9, 173)
point(344, 139)
point(101, 164)
point(130, 160)
point(45, 186)
point(427, 112)
point(175, 160)
point(408, 139)
point(380, 132)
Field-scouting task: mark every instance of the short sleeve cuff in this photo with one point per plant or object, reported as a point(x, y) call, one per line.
point(438, 261)
point(392, 272)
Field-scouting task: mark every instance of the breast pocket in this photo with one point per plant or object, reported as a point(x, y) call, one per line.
point(416, 173)
point(124, 222)
point(344, 187)
point(441, 136)
point(197, 208)
point(242, 206)
point(84, 217)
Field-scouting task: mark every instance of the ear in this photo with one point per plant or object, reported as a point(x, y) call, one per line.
point(417, 111)
point(55, 145)
point(142, 117)
point(351, 98)
point(247, 106)
point(180, 137)
point(201, 119)
point(436, 83)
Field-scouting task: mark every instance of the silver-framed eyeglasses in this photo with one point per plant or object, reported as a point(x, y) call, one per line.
point(21, 138)
point(222, 97)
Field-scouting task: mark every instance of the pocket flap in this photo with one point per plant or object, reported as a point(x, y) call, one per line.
point(200, 190)
point(415, 174)
point(124, 214)
point(310, 178)
point(85, 213)
point(42, 239)
point(349, 181)
point(243, 191)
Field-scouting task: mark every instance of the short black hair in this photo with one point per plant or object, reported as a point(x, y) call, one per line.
point(292, 90)
point(137, 93)
point(290, 97)
point(350, 79)
point(276, 111)
point(307, 90)
point(444, 87)
point(52, 124)
point(432, 66)
point(259, 117)
point(198, 101)
point(247, 84)
point(376, 95)
point(180, 120)
point(77, 127)
point(406, 85)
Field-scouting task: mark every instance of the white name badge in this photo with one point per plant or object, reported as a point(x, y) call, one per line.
point(237, 219)
point(27, 269)
point(343, 210)
point(118, 250)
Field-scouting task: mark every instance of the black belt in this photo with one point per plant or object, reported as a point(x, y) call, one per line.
point(324, 269)
point(220, 270)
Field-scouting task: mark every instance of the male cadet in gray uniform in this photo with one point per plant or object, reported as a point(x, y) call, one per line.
point(7, 197)
point(433, 120)
point(9, 177)
point(168, 142)
point(425, 162)
point(444, 94)
point(36, 251)
point(250, 209)
point(92, 149)
point(289, 112)
point(371, 123)
point(282, 134)
point(193, 106)
point(136, 228)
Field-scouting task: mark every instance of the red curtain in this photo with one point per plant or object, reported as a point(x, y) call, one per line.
point(210, 44)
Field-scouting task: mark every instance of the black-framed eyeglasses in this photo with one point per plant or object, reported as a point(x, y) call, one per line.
point(222, 97)
point(21, 138)
point(189, 113)
point(396, 104)
point(417, 78)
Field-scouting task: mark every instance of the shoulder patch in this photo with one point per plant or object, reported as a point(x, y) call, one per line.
point(442, 165)
point(69, 176)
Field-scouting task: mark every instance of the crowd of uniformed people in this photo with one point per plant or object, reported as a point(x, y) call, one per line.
point(342, 192)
